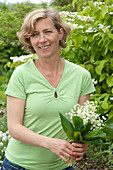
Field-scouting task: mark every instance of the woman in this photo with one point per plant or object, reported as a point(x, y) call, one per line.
point(38, 90)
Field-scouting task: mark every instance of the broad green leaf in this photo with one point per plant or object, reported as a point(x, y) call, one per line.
point(110, 35)
point(102, 77)
point(104, 105)
point(93, 142)
point(94, 134)
point(66, 124)
point(104, 10)
point(73, 3)
point(106, 2)
point(109, 81)
point(101, 65)
point(91, 4)
point(110, 114)
point(98, 70)
point(80, 39)
point(90, 38)
point(70, 136)
point(106, 98)
point(108, 129)
point(110, 46)
point(78, 137)
point(78, 123)
point(86, 128)
point(85, 38)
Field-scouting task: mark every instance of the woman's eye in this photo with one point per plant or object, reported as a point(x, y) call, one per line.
point(48, 32)
point(36, 34)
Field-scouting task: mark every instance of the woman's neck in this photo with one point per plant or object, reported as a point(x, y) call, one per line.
point(50, 67)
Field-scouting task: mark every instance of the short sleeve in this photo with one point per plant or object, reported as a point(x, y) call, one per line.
point(16, 85)
point(87, 86)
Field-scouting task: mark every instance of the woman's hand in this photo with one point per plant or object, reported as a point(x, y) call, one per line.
point(79, 150)
point(63, 149)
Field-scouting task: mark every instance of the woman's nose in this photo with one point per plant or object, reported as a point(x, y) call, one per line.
point(42, 38)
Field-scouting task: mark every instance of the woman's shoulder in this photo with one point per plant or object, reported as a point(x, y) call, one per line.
point(24, 67)
point(76, 68)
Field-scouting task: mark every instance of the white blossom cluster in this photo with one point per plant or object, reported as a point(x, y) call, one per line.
point(70, 16)
point(111, 13)
point(99, 3)
point(91, 29)
point(23, 58)
point(88, 114)
point(4, 137)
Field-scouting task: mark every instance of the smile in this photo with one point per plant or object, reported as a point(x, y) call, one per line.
point(44, 47)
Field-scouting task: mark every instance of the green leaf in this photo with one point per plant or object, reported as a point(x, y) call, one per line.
point(98, 70)
point(99, 67)
point(104, 105)
point(86, 128)
point(78, 123)
point(102, 77)
point(110, 35)
point(110, 46)
point(78, 137)
point(66, 124)
point(110, 114)
point(112, 90)
point(94, 134)
point(104, 10)
point(73, 3)
point(70, 136)
point(109, 81)
point(108, 129)
point(85, 38)
point(93, 142)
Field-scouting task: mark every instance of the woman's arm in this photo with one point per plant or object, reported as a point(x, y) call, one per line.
point(15, 115)
point(83, 99)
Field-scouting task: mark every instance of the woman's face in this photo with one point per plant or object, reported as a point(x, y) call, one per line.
point(45, 39)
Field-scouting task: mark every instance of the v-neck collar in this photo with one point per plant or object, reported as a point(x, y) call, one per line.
point(46, 79)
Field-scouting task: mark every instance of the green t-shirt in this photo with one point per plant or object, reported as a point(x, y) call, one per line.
point(42, 110)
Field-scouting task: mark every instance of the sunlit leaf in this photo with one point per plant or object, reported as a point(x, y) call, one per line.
point(66, 124)
point(78, 137)
point(78, 123)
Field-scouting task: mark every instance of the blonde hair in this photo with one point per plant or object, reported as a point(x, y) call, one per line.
point(28, 25)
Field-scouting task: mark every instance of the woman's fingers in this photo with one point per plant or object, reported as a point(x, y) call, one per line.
point(62, 148)
point(80, 147)
point(67, 150)
point(79, 150)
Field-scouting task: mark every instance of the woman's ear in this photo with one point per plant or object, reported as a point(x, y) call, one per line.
point(61, 33)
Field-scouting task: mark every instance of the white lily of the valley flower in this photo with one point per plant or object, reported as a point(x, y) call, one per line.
point(87, 113)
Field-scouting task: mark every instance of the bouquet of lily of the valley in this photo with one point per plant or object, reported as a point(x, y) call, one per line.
point(84, 125)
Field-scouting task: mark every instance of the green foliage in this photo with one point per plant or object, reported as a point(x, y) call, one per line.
point(90, 45)
point(11, 19)
point(61, 2)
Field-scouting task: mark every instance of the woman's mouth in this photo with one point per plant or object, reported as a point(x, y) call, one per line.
point(44, 47)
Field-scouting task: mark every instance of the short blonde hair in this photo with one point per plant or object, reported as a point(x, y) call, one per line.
point(28, 25)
